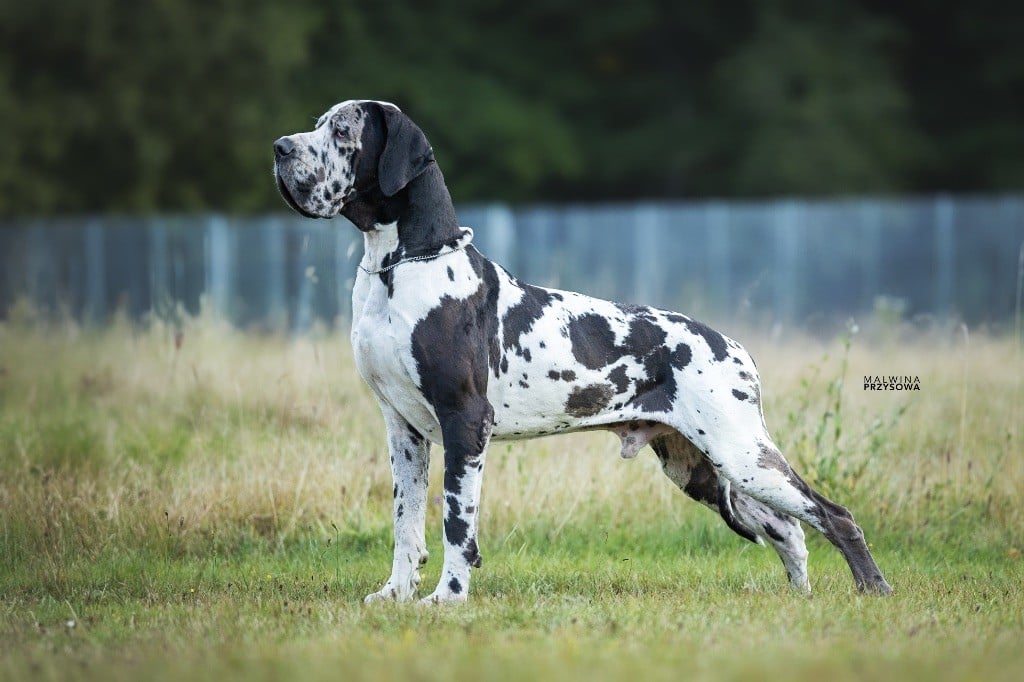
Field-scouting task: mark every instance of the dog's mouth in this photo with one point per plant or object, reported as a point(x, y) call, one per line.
point(289, 199)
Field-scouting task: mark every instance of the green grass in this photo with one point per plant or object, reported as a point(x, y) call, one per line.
point(219, 510)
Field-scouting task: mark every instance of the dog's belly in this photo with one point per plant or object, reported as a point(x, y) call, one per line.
point(547, 396)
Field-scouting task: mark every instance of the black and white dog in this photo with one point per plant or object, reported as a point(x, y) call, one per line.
point(458, 352)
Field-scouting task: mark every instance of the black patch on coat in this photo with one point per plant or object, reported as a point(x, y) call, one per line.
point(703, 483)
point(655, 392)
point(772, 533)
point(681, 356)
point(568, 375)
point(643, 336)
point(455, 527)
point(645, 342)
point(415, 437)
point(593, 341)
point(387, 277)
point(593, 345)
point(451, 274)
point(589, 400)
point(457, 340)
point(519, 319)
point(455, 586)
point(740, 395)
point(715, 341)
point(472, 554)
point(453, 347)
point(464, 440)
point(618, 377)
point(553, 375)
point(488, 315)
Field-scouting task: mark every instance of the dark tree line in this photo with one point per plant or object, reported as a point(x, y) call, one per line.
point(171, 105)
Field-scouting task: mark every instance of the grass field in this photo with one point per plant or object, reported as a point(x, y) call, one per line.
point(218, 507)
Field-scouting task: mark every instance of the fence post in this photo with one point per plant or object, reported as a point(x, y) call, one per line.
point(870, 252)
point(273, 244)
point(499, 223)
point(718, 266)
point(95, 273)
point(647, 268)
point(160, 302)
point(787, 244)
point(218, 264)
point(306, 285)
point(944, 254)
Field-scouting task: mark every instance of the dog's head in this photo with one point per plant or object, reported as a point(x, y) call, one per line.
point(359, 151)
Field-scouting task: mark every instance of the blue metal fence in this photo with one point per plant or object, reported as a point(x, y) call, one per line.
point(781, 260)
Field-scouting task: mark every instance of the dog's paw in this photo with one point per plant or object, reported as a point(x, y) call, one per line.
point(444, 597)
point(878, 588)
point(444, 594)
point(801, 587)
point(384, 594)
point(395, 590)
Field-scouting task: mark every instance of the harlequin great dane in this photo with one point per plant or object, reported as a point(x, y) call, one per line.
point(459, 352)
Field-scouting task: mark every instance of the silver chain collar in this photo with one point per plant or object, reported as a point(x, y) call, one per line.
point(468, 238)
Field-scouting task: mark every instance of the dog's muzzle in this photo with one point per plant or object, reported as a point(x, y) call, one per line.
point(292, 193)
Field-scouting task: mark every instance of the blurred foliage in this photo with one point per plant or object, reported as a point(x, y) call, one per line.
point(173, 104)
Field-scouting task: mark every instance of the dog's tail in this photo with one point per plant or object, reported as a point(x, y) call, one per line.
point(729, 516)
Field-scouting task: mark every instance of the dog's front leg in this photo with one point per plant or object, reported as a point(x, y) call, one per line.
point(410, 462)
point(466, 432)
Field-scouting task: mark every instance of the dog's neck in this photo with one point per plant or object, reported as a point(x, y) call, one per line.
point(417, 221)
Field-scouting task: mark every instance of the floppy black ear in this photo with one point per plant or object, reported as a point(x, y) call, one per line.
point(406, 152)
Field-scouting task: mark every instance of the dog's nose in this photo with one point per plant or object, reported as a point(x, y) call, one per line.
point(283, 146)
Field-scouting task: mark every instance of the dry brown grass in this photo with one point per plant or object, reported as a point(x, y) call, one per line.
point(126, 431)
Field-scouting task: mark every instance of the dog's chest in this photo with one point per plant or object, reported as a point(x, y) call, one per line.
point(382, 349)
point(383, 324)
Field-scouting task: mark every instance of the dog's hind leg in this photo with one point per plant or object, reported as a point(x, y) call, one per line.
point(689, 469)
point(742, 451)
point(410, 461)
point(779, 530)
